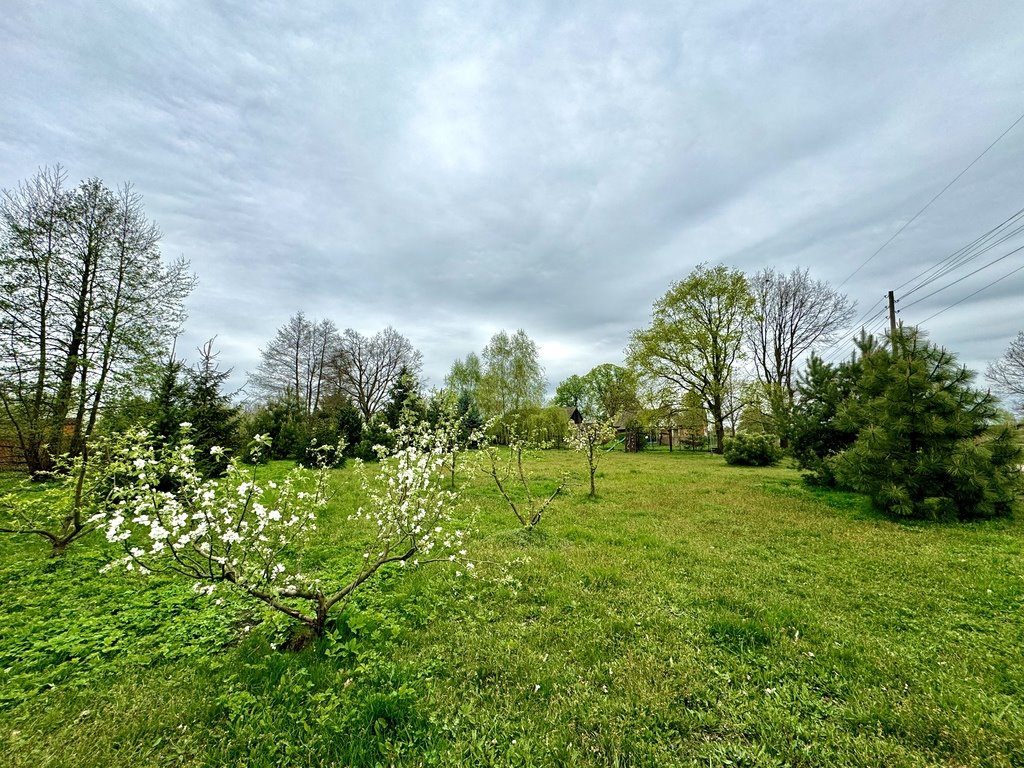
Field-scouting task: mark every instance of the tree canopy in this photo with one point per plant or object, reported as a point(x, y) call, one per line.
point(696, 338)
point(87, 307)
point(512, 377)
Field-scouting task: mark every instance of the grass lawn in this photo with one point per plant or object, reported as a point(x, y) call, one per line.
point(693, 614)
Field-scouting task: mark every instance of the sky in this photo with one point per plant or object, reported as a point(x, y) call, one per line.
point(455, 169)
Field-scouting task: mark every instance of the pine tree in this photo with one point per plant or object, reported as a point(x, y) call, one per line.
point(815, 434)
point(405, 405)
point(925, 446)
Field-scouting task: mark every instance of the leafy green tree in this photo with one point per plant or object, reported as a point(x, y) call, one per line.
point(603, 393)
point(571, 393)
point(757, 414)
point(512, 375)
point(610, 390)
point(925, 446)
point(693, 421)
point(465, 376)
point(696, 338)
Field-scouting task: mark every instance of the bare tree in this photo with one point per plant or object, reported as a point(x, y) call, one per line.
point(792, 313)
point(85, 305)
point(295, 362)
point(366, 367)
point(1007, 373)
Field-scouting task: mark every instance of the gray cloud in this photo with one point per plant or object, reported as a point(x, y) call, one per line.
point(466, 167)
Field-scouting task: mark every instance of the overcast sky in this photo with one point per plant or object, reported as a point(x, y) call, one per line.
point(457, 169)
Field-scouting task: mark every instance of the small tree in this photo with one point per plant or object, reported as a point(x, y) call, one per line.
point(925, 446)
point(505, 466)
point(456, 424)
point(588, 438)
point(239, 533)
point(213, 419)
point(815, 431)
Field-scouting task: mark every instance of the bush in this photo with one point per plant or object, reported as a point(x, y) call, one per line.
point(374, 433)
point(752, 450)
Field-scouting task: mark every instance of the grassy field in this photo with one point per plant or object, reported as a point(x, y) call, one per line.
point(693, 614)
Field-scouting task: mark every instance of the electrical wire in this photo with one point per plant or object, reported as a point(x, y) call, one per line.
point(865, 316)
point(970, 295)
point(965, 254)
point(929, 203)
point(964, 277)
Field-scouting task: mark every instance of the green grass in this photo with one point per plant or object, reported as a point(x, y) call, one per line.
point(694, 614)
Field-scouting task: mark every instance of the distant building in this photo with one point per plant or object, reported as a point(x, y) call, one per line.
point(572, 413)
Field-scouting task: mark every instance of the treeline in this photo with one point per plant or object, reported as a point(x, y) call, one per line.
point(89, 313)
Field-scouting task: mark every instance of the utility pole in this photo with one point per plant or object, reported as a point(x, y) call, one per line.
point(892, 319)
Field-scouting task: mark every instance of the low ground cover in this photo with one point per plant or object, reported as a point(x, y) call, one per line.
point(693, 614)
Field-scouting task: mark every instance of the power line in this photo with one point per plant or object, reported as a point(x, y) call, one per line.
point(964, 277)
point(865, 316)
point(929, 203)
point(869, 326)
point(964, 254)
point(965, 298)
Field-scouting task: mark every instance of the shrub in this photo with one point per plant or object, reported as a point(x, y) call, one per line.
point(752, 450)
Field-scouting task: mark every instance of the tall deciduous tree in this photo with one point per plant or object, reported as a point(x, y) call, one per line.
point(571, 393)
point(696, 338)
point(512, 375)
point(465, 376)
point(86, 304)
point(1007, 373)
point(611, 390)
point(603, 393)
point(792, 314)
point(365, 368)
point(295, 363)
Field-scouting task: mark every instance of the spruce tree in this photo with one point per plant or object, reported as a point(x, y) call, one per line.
point(214, 419)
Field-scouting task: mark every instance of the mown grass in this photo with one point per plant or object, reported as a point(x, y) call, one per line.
point(694, 614)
